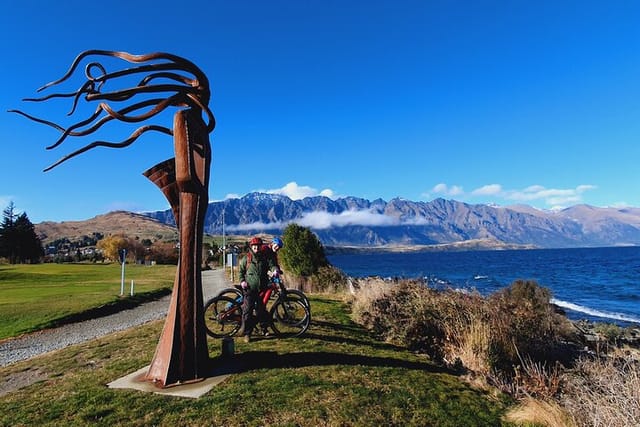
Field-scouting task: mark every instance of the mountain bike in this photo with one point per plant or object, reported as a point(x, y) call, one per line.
point(287, 314)
point(235, 292)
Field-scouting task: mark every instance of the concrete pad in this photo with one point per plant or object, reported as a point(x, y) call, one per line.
point(194, 390)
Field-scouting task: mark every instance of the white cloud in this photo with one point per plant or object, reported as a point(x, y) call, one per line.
point(328, 193)
point(296, 192)
point(256, 226)
point(293, 191)
point(554, 197)
point(440, 188)
point(488, 190)
point(620, 205)
point(443, 188)
point(583, 188)
point(323, 220)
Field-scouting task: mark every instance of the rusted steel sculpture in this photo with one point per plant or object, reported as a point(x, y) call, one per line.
point(181, 355)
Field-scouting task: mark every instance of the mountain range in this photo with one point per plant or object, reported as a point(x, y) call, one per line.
point(352, 221)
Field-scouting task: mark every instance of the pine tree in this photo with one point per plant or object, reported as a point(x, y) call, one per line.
point(19, 242)
point(302, 253)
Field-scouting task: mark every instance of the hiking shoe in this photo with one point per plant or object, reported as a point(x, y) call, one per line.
point(265, 332)
point(247, 338)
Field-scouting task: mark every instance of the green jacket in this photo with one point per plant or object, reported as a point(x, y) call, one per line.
point(254, 268)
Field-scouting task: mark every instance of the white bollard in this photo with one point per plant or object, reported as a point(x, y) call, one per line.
point(131, 287)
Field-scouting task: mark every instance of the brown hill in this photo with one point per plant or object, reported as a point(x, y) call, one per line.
point(117, 222)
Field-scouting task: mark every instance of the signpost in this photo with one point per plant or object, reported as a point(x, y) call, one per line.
point(123, 259)
point(232, 261)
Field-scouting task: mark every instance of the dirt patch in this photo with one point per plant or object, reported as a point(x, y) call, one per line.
point(17, 380)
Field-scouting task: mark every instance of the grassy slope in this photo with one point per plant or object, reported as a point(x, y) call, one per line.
point(34, 297)
point(338, 374)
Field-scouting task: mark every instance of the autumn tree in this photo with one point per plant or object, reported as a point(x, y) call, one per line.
point(19, 242)
point(112, 245)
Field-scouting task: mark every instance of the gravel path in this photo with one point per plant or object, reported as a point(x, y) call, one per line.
point(27, 346)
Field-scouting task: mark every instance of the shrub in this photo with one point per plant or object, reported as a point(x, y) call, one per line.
point(365, 293)
point(524, 322)
point(328, 279)
point(502, 337)
point(420, 318)
point(604, 391)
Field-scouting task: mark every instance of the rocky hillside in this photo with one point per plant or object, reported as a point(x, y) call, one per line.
point(119, 222)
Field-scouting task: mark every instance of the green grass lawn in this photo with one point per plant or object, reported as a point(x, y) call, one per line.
point(338, 374)
point(37, 296)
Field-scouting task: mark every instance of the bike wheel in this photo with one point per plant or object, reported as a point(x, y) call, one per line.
point(290, 317)
point(296, 294)
point(222, 316)
point(234, 293)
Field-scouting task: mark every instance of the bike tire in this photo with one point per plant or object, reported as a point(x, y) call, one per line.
point(290, 317)
point(294, 293)
point(222, 316)
point(233, 292)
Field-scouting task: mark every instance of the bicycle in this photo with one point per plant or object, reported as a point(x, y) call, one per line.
point(287, 315)
point(235, 292)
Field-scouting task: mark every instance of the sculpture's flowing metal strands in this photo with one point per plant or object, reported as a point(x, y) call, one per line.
point(172, 76)
point(135, 135)
point(188, 91)
point(88, 87)
point(39, 120)
point(84, 89)
point(177, 61)
point(126, 94)
point(160, 104)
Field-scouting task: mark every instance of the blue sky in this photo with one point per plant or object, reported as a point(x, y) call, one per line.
point(499, 102)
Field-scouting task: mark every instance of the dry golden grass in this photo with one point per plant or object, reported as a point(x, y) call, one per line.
point(605, 391)
point(474, 346)
point(539, 412)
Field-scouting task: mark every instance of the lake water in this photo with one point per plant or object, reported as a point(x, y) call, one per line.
point(598, 284)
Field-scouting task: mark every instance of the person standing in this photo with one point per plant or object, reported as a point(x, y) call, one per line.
point(272, 250)
point(254, 271)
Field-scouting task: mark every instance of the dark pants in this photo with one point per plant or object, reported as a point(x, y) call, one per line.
point(252, 301)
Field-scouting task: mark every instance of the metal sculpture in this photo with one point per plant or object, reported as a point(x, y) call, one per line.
point(181, 355)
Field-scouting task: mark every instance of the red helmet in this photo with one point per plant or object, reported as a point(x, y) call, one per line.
point(255, 241)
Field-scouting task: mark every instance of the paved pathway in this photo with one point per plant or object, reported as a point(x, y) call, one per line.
point(27, 346)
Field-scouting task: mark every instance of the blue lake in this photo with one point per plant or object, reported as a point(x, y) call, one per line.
point(600, 284)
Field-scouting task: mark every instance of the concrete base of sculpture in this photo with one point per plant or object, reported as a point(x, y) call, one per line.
point(136, 381)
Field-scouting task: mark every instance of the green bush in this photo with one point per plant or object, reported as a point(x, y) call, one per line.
point(302, 254)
